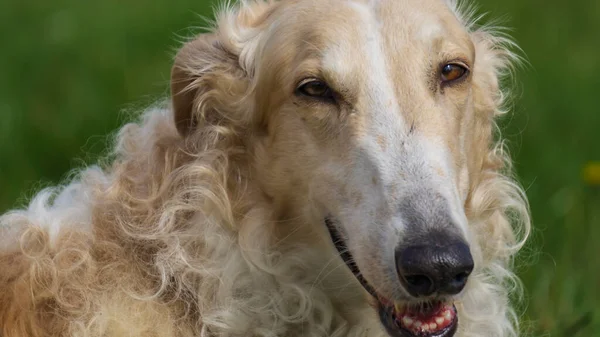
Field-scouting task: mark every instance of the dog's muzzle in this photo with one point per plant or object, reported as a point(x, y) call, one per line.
point(431, 271)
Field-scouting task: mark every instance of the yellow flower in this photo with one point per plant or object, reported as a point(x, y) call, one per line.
point(591, 173)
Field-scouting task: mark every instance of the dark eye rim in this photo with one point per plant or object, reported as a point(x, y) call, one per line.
point(458, 63)
point(328, 96)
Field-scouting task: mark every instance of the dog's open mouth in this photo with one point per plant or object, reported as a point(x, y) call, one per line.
point(432, 319)
point(428, 319)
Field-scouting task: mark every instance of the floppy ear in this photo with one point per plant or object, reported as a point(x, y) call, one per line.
point(495, 196)
point(183, 93)
point(203, 75)
point(211, 76)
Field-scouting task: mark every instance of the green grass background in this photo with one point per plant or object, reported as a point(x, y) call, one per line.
point(69, 67)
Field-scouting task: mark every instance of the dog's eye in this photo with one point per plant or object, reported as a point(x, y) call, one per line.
point(316, 89)
point(452, 72)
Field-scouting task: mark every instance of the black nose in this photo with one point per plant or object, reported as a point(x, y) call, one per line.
point(440, 267)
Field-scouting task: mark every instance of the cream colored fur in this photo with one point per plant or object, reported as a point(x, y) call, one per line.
point(209, 219)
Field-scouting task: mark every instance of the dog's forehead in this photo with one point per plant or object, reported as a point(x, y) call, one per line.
point(403, 19)
point(342, 29)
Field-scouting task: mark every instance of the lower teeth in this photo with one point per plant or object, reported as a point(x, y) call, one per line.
point(441, 320)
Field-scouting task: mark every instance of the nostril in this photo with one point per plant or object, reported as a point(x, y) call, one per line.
point(457, 277)
point(460, 280)
point(419, 284)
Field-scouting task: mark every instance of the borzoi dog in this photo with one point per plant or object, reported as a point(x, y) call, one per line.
point(323, 168)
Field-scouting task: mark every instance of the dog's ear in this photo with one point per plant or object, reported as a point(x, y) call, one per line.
point(211, 74)
point(190, 74)
point(182, 93)
point(494, 196)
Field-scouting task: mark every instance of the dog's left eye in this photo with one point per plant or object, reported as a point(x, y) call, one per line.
point(452, 72)
point(316, 89)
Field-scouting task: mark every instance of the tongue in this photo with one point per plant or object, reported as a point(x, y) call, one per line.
point(428, 320)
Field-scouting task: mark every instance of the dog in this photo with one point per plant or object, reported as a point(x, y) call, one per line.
point(322, 168)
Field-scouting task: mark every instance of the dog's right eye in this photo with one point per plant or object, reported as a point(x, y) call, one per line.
point(316, 89)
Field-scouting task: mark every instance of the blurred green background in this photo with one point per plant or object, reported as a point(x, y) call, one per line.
point(68, 68)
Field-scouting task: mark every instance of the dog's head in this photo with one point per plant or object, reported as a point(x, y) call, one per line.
point(372, 118)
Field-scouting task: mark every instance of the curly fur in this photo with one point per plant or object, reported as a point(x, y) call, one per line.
point(177, 238)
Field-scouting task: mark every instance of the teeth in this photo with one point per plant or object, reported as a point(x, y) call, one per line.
point(431, 322)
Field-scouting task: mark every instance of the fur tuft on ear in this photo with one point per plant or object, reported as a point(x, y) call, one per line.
point(213, 71)
point(202, 71)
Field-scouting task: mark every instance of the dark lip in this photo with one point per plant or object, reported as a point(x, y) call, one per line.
point(385, 313)
point(340, 245)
